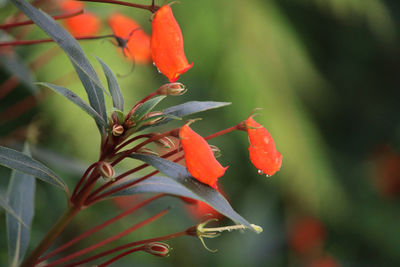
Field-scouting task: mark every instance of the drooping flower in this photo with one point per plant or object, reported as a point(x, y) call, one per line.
point(82, 25)
point(199, 158)
point(263, 153)
point(167, 48)
point(138, 42)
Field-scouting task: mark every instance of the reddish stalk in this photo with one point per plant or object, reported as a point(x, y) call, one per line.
point(132, 140)
point(93, 198)
point(121, 256)
point(152, 8)
point(108, 240)
point(29, 22)
point(99, 227)
point(222, 132)
point(41, 41)
point(82, 179)
point(8, 86)
point(138, 104)
point(18, 109)
point(128, 245)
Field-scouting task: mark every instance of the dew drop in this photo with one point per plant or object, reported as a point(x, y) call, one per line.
point(267, 175)
point(260, 172)
point(159, 71)
point(154, 64)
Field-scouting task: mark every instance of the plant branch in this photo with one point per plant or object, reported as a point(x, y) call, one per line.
point(152, 8)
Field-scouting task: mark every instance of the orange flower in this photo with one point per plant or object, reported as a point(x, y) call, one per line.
point(83, 24)
point(138, 42)
point(199, 158)
point(263, 153)
point(167, 45)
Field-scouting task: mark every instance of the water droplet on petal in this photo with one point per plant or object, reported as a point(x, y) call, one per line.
point(159, 71)
point(154, 64)
point(267, 175)
point(260, 172)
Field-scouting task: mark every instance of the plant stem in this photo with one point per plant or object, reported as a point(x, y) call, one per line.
point(152, 8)
point(51, 236)
point(29, 22)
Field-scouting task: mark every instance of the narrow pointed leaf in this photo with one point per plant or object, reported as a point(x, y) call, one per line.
point(16, 160)
point(147, 107)
point(21, 191)
point(78, 101)
point(191, 107)
point(193, 188)
point(10, 210)
point(113, 86)
point(84, 69)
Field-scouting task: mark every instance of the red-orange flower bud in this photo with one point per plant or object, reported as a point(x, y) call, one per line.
point(199, 158)
point(138, 42)
point(83, 24)
point(167, 45)
point(263, 153)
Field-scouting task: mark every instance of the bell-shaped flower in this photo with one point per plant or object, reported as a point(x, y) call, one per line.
point(167, 48)
point(199, 158)
point(263, 153)
point(136, 43)
point(85, 24)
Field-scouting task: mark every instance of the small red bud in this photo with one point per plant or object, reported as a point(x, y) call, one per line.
point(106, 169)
point(165, 142)
point(117, 130)
point(157, 249)
point(157, 117)
point(172, 89)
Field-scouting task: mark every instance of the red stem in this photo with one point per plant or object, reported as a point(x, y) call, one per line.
point(152, 8)
point(108, 240)
point(82, 179)
point(132, 244)
point(121, 256)
point(132, 140)
point(138, 104)
point(28, 22)
point(99, 227)
point(33, 42)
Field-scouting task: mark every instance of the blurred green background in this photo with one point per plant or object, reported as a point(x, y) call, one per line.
point(326, 75)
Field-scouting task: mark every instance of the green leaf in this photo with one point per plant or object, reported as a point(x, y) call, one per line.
point(16, 160)
point(147, 107)
point(192, 187)
point(78, 101)
point(10, 210)
point(82, 66)
point(191, 107)
point(113, 86)
point(21, 192)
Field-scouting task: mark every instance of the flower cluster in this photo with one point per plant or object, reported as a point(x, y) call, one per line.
point(122, 139)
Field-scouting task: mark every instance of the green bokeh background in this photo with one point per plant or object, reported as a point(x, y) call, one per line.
point(324, 72)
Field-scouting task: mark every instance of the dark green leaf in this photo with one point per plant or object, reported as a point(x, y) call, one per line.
point(198, 190)
point(191, 107)
point(76, 100)
point(21, 192)
point(16, 160)
point(85, 70)
point(113, 86)
point(147, 107)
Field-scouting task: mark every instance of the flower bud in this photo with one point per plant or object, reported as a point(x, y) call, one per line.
point(147, 151)
point(165, 142)
point(216, 151)
point(172, 89)
point(106, 169)
point(117, 130)
point(157, 249)
point(153, 117)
